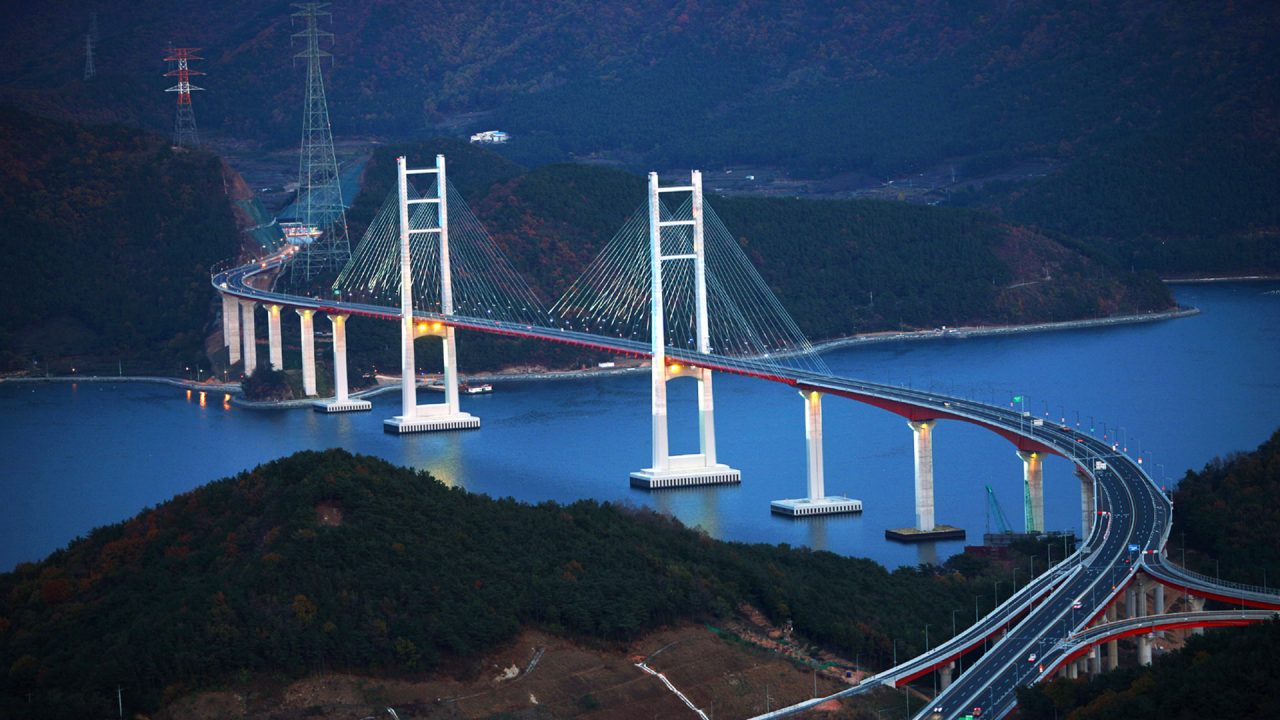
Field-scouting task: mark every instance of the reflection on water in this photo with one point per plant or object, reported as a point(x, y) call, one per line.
point(693, 506)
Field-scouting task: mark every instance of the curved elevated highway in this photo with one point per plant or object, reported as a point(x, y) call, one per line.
point(1042, 618)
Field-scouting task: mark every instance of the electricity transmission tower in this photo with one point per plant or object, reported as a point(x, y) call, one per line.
point(319, 192)
point(89, 69)
point(90, 38)
point(184, 127)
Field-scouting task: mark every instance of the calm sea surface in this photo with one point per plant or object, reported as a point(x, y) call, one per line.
point(79, 456)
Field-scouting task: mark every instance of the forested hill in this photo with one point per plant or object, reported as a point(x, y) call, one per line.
point(873, 87)
point(340, 562)
point(840, 267)
point(1228, 514)
point(1157, 119)
point(108, 236)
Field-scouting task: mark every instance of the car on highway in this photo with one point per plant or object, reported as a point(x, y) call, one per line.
point(1031, 657)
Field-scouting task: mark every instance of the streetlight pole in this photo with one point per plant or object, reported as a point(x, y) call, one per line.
point(926, 649)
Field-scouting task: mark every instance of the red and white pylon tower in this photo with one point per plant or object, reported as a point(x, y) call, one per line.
point(184, 128)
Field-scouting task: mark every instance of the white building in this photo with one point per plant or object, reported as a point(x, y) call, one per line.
point(490, 136)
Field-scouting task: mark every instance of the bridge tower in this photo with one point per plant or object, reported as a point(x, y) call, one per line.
point(699, 468)
point(436, 416)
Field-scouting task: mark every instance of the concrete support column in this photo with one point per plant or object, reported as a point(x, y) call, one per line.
point(658, 410)
point(1087, 513)
point(1197, 605)
point(308, 351)
point(1073, 670)
point(276, 348)
point(250, 337)
point(707, 421)
point(1033, 491)
point(452, 406)
point(1141, 596)
point(813, 442)
point(231, 327)
point(339, 323)
point(922, 432)
point(1095, 660)
point(1113, 646)
point(1130, 602)
point(1159, 600)
point(944, 675)
point(1144, 649)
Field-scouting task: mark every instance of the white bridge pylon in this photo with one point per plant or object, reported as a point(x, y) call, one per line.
point(699, 468)
point(435, 416)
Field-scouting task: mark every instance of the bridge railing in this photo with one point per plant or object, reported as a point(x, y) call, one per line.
point(1177, 569)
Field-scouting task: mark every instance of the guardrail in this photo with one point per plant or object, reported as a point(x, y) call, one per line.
point(1177, 569)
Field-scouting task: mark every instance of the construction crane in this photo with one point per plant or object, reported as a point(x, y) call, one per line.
point(994, 509)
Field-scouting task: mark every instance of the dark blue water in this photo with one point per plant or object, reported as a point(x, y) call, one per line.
point(1183, 391)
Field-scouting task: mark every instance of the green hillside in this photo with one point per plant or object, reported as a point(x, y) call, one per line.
point(1228, 517)
point(109, 236)
point(327, 560)
point(1157, 119)
point(839, 267)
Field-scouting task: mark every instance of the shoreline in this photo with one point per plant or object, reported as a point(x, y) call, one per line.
point(968, 331)
point(233, 388)
point(1214, 279)
point(876, 338)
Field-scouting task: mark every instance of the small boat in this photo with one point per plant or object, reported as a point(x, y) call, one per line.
point(476, 389)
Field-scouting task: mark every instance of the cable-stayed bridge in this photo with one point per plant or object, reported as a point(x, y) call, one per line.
point(673, 287)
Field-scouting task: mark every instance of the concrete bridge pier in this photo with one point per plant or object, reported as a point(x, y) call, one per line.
point(1094, 664)
point(231, 328)
point(431, 417)
point(922, 442)
point(341, 402)
point(944, 675)
point(1144, 649)
point(307, 317)
point(1032, 491)
point(274, 345)
point(1087, 514)
point(1073, 670)
point(1113, 646)
point(817, 502)
point(926, 527)
point(250, 337)
point(1197, 605)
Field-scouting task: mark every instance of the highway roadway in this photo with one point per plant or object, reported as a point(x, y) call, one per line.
point(1130, 532)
